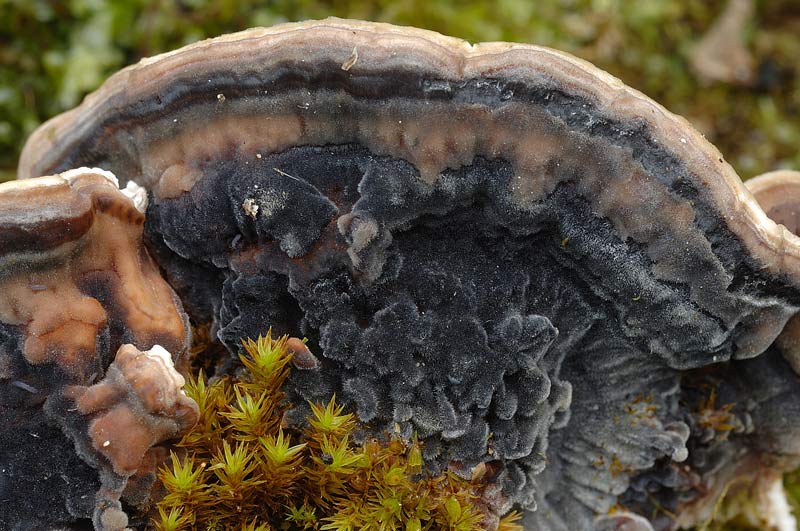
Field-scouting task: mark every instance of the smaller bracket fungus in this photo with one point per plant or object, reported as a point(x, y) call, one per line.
point(67, 243)
point(77, 286)
point(778, 193)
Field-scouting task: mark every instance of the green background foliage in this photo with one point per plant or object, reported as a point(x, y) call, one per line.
point(52, 52)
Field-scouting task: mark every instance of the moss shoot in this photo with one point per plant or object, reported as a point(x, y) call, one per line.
point(243, 467)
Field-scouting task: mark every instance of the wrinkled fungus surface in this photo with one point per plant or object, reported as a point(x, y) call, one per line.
point(497, 247)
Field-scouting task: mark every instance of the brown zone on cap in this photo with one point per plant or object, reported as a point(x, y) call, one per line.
point(64, 302)
point(42, 220)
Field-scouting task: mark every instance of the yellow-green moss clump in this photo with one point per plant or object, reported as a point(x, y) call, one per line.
point(242, 467)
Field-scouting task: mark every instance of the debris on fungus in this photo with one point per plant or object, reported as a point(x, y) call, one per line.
point(497, 247)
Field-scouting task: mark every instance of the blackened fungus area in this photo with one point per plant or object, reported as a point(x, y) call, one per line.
point(445, 309)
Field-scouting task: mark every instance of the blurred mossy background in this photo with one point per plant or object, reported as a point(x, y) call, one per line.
point(52, 52)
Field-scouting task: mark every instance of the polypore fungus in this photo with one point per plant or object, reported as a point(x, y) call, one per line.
point(75, 283)
point(497, 247)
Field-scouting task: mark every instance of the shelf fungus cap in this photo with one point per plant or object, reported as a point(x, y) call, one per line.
point(144, 123)
point(498, 247)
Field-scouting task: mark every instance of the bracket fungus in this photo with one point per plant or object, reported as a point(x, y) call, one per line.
point(497, 247)
point(77, 286)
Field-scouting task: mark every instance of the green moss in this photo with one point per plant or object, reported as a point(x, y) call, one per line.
point(241, 467)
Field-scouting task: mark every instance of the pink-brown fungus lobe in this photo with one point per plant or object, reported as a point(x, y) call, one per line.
point(136, 406)
point(72, 254)
point(497, 247)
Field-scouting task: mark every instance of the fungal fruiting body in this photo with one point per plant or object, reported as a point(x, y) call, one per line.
point(79, 403)
point(498, 248)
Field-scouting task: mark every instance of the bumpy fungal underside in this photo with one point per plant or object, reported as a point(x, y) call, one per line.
point(497, 247)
